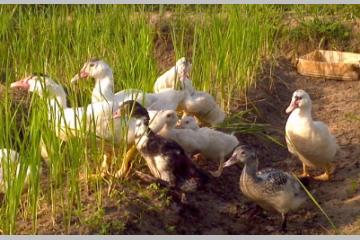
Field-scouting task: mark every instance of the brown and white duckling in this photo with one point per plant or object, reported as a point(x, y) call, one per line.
point(270, 188)
point(178, 75)
point(311, 141)
point(165, 158)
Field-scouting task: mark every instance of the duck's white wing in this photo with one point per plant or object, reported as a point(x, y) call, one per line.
point(326, 140)
point(157, 121)
point(289, 144)
point(165, 100)
point(127, 94)
point(166, 80)
point(324, 133)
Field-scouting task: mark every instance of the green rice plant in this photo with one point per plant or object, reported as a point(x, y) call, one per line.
point(228, 47)
point(57, 40)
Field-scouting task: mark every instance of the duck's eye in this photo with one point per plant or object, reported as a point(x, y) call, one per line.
point(168, 115)
point(138, 124)
point(186, 122)
point(92, 64)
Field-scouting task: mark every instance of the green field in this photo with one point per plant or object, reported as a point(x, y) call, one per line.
point(228, 46)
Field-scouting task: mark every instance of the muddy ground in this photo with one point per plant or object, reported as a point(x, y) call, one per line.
point(136, 207)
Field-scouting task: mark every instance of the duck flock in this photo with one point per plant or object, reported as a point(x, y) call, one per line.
point(169, 143)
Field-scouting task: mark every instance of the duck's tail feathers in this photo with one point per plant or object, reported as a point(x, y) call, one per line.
point(198, 179)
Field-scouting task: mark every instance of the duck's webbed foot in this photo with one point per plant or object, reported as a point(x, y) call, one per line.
point(323, 177)
point(329, 169)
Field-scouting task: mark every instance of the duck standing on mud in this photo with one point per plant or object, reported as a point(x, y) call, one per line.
point(165, 158)
point(309, 140)
point(270, 188)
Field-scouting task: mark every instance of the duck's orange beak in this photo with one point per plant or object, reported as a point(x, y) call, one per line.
point(23, 84)
point(80, 75)
point(117, 114)
point(294, 104)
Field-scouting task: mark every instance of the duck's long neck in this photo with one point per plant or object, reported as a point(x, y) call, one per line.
point(303, 115)
point(166, 129)
point(249, 171)
point(59, 100)
point(306, 113)
point(251, 166)
point(56, 106)
point(141, 138)
point(169, 126)
point(104, 88)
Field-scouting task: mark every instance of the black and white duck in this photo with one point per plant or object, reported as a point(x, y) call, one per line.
point(165, 158)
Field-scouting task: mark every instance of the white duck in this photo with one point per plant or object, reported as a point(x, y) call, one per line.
point(104, 89)
point(189, 140)
point(67, 121)
point(70, 121)
point(198, 103)
point(204, 107)
point(309, 140)
point(165, 158)
point(270, 188)
point(78, 122)
point(219, 144)
point(175, 76)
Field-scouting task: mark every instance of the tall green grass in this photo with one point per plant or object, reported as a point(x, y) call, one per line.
point(226, 44)
point(57, 40)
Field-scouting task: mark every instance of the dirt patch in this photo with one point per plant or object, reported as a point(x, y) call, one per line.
point(336, 103)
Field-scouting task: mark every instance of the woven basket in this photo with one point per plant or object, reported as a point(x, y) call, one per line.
point(330, 65)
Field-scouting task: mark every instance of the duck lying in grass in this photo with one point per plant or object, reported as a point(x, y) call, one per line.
point(176, 77)
point(104, 89)
point(270, 188)
point(76, 122)
point(67, 121)
point(309, 140)
point(165, 158)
